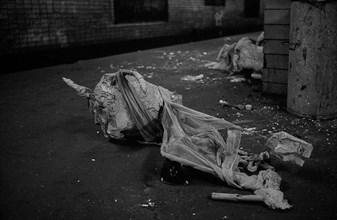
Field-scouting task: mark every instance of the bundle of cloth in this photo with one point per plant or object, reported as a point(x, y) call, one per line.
point(244, 54)
point(127, 106)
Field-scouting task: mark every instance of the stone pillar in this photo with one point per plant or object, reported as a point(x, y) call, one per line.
point(312, 78)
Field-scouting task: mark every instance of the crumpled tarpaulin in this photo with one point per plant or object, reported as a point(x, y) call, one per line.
point(189, 137)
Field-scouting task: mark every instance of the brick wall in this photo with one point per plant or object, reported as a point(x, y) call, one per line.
point(31, 25)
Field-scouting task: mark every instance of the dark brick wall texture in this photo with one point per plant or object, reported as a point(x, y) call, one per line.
point(32, 25)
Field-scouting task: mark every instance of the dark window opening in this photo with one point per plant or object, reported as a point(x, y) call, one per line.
point(215, 2)
point(252, 8)
point(132, 11)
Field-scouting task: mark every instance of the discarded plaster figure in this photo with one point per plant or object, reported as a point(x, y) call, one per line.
point(244, 54)
point(124, 103)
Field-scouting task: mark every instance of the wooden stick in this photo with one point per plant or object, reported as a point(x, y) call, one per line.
point(237, 197)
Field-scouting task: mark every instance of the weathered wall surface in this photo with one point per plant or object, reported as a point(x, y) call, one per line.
point(28, 25)
point(312, 80)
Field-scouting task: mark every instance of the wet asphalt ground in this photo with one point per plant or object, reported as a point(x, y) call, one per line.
point(56, 164)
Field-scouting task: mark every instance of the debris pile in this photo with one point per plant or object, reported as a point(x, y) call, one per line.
point(244, 54)
point(123, 102)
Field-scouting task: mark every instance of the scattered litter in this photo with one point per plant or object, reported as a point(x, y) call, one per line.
point(248, 107)
point(250, 129)
point(149, 205)
point(187, 136)
point(193, 78)
point(239, 79)
point(171, 55)
point(238, 114)
point(240, 107)
point(256, 75)
point(148, 75)
point(224, 103)
point(215, 65)
point(289, 148)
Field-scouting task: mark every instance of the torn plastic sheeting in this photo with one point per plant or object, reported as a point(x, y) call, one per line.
point(189, 137)
point(192, 138)
point(120, 113)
